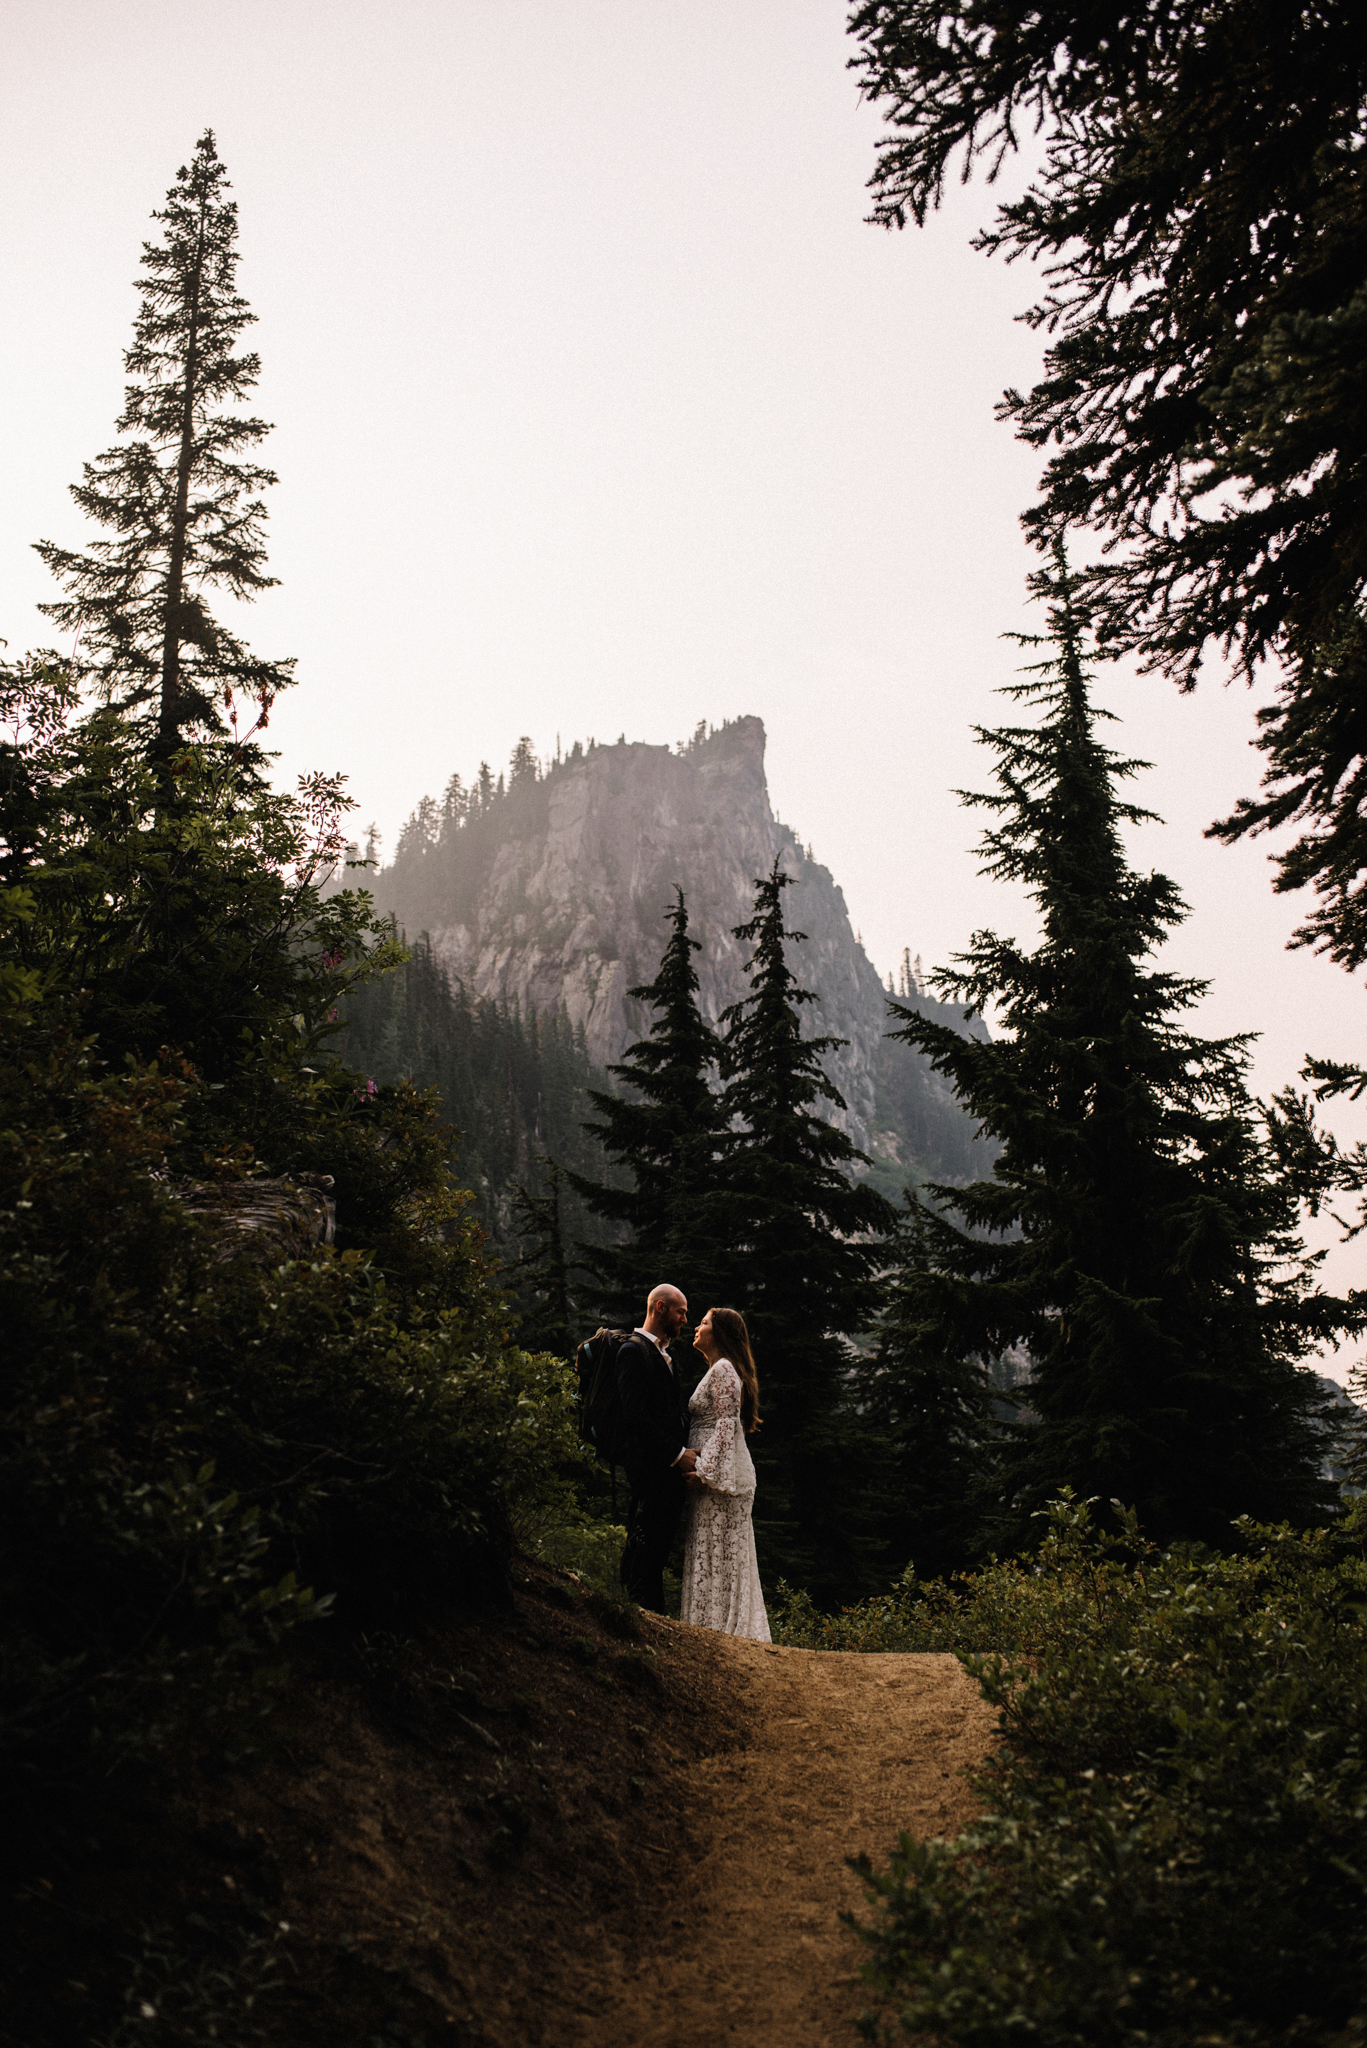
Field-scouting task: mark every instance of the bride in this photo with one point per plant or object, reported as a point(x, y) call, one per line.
point(721, 1586)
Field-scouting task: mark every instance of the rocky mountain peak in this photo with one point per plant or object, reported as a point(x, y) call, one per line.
point(553, 890)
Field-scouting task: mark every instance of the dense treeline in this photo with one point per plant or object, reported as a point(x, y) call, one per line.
point(514, 1089)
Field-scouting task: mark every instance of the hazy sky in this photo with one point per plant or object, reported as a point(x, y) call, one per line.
point(600, 409)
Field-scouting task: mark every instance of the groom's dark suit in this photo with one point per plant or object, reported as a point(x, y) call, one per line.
point(655, 1415)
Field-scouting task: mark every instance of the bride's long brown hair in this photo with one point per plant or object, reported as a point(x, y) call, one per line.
point(728, 1327)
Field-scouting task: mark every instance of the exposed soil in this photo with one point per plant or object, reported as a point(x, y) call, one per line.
point(522, 1829)
point(841, 1752)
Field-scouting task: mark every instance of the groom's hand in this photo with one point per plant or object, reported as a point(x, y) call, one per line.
point(687, 1462)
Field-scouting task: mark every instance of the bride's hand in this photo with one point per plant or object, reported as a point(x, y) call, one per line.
point(694, 1484)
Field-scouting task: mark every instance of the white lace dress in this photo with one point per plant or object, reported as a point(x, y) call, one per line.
point(721, 1586)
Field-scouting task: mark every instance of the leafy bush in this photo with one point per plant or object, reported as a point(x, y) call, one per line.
point(1173, 1849)
point(215, 1994)
point(1068, 1594)
point(187, 1439)
point(591, 1549)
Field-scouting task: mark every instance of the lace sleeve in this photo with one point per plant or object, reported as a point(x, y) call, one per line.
point(717, 1460)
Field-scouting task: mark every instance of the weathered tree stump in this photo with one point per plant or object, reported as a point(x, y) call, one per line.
point(275, 1219)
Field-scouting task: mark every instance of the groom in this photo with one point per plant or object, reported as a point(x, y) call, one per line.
point(655, 1418)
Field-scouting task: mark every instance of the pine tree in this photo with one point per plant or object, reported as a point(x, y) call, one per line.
point(182, 503)
point(524, 766)
point(667, 1131)
point(1198, 209)
point(805, 1245)
point(543, 1270)
point(932, 1407)
point(1138, 1236)
point(454, 805)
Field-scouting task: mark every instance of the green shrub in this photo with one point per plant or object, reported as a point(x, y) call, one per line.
point(1173, 1852)
point(202, 1984)
point(191, 1438)
point(1067, 1595)
point(592, 1550)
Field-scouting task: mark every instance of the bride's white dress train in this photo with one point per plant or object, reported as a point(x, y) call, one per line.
point(721, 1586)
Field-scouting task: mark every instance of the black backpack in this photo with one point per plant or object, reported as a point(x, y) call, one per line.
point(601, 1426)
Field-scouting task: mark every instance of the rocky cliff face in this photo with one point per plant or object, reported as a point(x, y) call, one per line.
point(554, 892)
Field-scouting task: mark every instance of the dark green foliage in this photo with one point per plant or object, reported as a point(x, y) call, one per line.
point(193, 920)
point(1314, 737)
point(187, 1435)
point(192, 1432)
point(1172, 1848)
point(932, 1408)
point(805, 1245)
point(136, 1584)
point(544, 1269)
point(1201, 218)
point(183, 504)
point(1352, 1446)
point(1138, 1236)
point(220, 1994)
point(666, 1129)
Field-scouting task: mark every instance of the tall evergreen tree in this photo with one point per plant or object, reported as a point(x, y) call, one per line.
point(1138, 1235)
point(932, 1407)
point(805, 1238)
point(667, 1131)
point(1198, 209)
point(543, 1270)
point(183, 504)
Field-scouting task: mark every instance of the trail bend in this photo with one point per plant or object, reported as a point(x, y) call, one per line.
point(844, 1749)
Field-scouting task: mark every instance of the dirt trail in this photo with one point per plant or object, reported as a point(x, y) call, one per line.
point(843, 1750)
point(523, 1831)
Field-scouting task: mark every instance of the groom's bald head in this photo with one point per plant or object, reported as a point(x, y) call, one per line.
point(666, 1311)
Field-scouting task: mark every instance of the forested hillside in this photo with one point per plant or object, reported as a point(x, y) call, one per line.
point(513, 1087)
